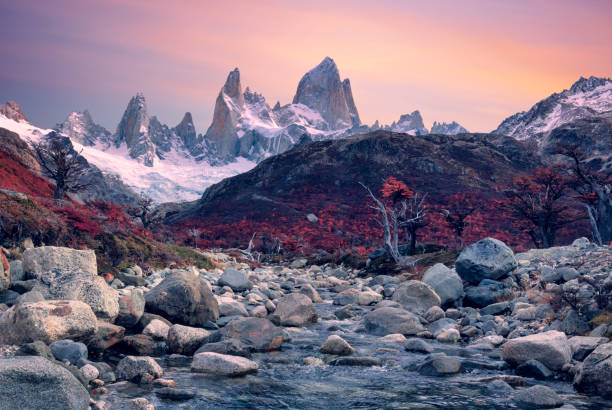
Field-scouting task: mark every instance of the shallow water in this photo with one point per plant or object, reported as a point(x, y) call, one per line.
point(283, 382)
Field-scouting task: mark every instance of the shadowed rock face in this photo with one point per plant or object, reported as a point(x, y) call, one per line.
point(350, 102)
point(229, 104)
point(134, 130)
point(322, 90)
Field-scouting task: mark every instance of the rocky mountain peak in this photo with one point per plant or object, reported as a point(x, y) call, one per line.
point(187, 133)
point(233, 88)
point(452, 128)
point(80, 127)
point(12, 110)
point(134, 130)
point(588, 84)
point(586, 98)
point(321, 90)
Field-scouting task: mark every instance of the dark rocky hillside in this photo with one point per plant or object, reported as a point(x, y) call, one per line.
point(322, 178)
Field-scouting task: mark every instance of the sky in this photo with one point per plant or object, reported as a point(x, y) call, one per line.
point(472, 61)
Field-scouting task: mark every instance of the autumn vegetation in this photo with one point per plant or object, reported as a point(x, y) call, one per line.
point(545, 207)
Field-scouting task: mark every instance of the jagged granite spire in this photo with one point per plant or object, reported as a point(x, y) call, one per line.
point(321, 90)
point(350, 102)
point(134, 131)
point(222, 130)
point(187, 133)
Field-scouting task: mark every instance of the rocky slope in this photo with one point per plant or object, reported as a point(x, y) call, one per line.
point(322, 178)
point(586, 98)
point(488, 331)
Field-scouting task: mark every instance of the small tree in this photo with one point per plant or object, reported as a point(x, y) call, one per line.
point(403, 210)
point(144, 211)
point(60, 162)
point(539, 203)
point(460, 206)
point(595, 193)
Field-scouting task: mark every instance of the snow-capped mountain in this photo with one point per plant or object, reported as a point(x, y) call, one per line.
point(80, 127)
point(176, 163)
point(412, 124)
point(244, 125)
point(587, 97)
point(175, 176)
point(452, 128)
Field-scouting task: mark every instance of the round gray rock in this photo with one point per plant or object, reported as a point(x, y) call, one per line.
point(416, 296)
point(488, 258)
point(295, 309)
point(68, 351)
point(388, 320)
point(537, 397)
point(445, 282)
point(222, 364)
point(37, 383)
point(183, 298)
point(135, 368)
point(236, 280)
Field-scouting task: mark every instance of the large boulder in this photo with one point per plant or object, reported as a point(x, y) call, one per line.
point(38, 261)
point(48, 321)
point(91, 289)
point(185, 340)
point(222, 364)
point(549, 348)
point(488, 292)
point(416, 296)
point(488, 258)
point(445, 282)
point(595, 374)
point(31, 382)
point(138, 369)
point(388, 320)
point(295, 309)
point(258, 334)
point(131, 308)
point(183, 298)
point(236, 280)
point(5, 272)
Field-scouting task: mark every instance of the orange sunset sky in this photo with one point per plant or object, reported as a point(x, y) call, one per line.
point(475, 62)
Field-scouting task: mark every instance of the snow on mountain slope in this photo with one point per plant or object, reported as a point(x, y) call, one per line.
point(175, 178)
point(587, 97)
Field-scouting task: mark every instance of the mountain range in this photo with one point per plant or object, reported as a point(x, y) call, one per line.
point(176, 163)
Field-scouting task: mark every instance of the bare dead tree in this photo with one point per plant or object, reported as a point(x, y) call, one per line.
point(391, 221)
point(60, 162)
point(599, 204)
point(412, 217)
point(194, 232)
point(248, 252)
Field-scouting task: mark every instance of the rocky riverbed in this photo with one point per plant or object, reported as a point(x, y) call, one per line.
point(498, 330)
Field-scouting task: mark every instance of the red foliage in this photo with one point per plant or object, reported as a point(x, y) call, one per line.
point(15, 176)
point(395, 190)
